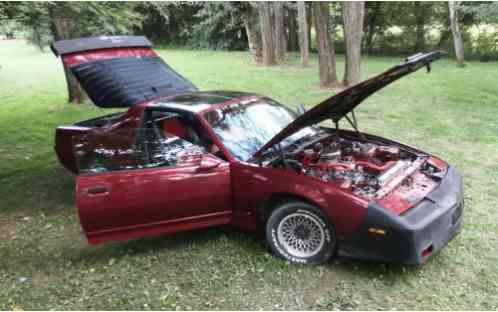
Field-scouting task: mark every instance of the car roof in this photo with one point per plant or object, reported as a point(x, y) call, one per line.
point(196, 102)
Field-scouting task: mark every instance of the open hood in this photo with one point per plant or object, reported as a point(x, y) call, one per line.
point(120, 71)
point(337, 106)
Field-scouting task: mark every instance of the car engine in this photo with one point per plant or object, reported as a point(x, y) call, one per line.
point(361, 167)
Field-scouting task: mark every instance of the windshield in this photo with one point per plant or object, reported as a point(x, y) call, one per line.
point(245, 127)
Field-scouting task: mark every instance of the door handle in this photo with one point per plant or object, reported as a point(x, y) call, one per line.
point(99, 190)
point(208, 165)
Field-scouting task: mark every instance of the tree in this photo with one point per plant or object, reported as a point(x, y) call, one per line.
point(35, 19)
point(422, 12)
point(171, 23)
point(457, 38)
point(218, 25)
point(324, 44)
point(64, 29)
point(49, 21)
point(352, 13)
point(303, 32)
point(292, 29)
point(7, 10)
point(309, 20)
point(279, 31)
point(251, 21)
point(372, 12)
point(420, 18)
point(9, 28)
point(486, 12)
point(265, 13)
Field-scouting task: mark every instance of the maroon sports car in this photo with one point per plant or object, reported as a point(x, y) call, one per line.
point(181, 159)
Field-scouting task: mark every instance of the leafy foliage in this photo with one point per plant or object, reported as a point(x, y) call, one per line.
point(9, 28)
point(35, 17)
point(390, 28)
point(220, 27)
point(168, 23)
point(7, 10)
point(486, 12)
point(89, 18)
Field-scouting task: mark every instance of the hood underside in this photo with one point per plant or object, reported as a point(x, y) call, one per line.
point(120, 71)
point(339, 105)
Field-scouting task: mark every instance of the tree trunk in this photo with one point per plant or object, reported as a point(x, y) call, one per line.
point(420, 17)
point(279, 39)
point(250, 18)
point(324, 44)
point(309, 20)
point(371, 21)
point(352, 13)
point(267, 34)
point(293, 37)
point(285, 22)
point(303, 32)
point(457, 38)
point(63, 27)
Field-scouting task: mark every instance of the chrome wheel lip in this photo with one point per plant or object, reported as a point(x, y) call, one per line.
point(296, 246)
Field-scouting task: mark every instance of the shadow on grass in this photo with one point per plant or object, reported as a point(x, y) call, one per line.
point(175, 244)
point(371, 268)
point(247, 244)
point(44, 189)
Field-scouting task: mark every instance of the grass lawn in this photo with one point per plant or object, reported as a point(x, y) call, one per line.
point(45, 262)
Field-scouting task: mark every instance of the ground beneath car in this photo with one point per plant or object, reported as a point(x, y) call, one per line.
point(45, 262)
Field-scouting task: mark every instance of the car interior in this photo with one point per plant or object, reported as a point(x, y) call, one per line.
point(159, 125)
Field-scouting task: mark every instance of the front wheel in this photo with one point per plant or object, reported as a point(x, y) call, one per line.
point(300, 233)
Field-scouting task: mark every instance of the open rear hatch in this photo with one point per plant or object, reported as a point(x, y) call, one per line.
point(120, 71)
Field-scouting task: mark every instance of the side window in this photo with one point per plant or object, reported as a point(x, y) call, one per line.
point(149, 148)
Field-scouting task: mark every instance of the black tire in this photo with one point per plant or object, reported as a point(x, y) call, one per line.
point(306, 244)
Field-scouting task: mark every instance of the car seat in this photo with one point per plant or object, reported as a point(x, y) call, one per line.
point(174, 127)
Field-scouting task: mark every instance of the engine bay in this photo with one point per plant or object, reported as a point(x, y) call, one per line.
point(362, 167)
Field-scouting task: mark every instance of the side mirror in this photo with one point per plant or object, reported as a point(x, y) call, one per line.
point(208, 164)
point(301, 109)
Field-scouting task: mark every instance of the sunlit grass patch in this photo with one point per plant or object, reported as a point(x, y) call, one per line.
point(45, 262)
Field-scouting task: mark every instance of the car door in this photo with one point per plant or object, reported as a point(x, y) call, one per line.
point(158, 187)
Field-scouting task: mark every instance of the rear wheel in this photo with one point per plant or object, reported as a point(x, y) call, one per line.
point(299, 232)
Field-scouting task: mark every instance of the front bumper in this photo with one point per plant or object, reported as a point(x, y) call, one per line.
point(415, 235)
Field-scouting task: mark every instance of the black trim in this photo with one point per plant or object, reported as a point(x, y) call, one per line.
point(95, 43)
point(430, 224)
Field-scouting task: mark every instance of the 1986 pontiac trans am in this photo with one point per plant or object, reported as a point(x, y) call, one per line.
point(179, 159)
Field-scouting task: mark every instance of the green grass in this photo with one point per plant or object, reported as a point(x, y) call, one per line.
point(45, 262)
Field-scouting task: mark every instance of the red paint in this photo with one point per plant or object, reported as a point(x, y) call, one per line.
point(105, 54)
point(403, 197)
point(254, 185)
point(141, 200)
point(167, 200)
point(202, 191)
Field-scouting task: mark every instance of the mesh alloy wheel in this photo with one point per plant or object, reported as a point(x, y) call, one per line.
point(301, 235)
point(300, 232)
